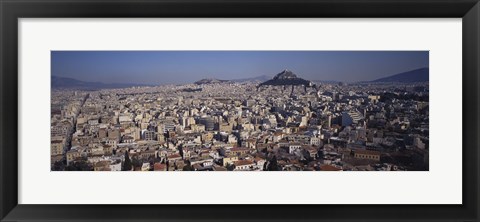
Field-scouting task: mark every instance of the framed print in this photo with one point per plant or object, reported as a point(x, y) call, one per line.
point(226, 110)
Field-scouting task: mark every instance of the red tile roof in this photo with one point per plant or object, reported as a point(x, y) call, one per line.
point(159, 167)
point(329, 168)
point(243, 162)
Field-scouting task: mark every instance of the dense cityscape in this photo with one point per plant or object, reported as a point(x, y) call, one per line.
point(284, 124)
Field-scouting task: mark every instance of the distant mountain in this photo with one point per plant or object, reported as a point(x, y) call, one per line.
point(211, 81)
point(286, 77)
point(262, 78)
point(417, 75)
point(70, 83)
point(191, 90)
point(326, 81)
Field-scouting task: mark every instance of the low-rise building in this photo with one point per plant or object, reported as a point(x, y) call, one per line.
point(243, 165)
point(367, 154)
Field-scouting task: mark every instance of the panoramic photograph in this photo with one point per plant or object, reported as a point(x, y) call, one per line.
point(239, 111)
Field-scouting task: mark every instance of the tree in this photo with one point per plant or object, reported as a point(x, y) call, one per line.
point(230, 167)
point(188, 166)
point(264, 150)
point(273, 164)
point(79, 166)
point(127, 163)
point(180, 150)
point(58, 166)
point(136, 162)
point(320, 154)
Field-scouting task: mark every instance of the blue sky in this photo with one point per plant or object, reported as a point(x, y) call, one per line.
point(177, 67)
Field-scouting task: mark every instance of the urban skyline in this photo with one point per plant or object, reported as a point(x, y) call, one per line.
point(286, 122)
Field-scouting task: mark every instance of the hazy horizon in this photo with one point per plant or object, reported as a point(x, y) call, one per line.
point(180, 67)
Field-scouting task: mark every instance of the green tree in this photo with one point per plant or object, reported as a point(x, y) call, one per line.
point(127, 163)
point(79, 166)
point(136, 162)
point(180, 150)
point(273, 164)
point(58, 166)
point(187, 168)
point(230, 167)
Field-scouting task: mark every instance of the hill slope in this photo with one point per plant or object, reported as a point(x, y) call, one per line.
point(211, 81)
point(417, 75)
point(286, 77)
point(70, 83)
point(262, 78)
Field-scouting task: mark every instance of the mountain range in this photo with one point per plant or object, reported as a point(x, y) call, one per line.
point(261, 78)
point(416, 75)
point(286, 77)
point(211, 81)
point(70, 83)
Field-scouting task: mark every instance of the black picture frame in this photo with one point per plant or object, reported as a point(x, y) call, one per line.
point(12, 10)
